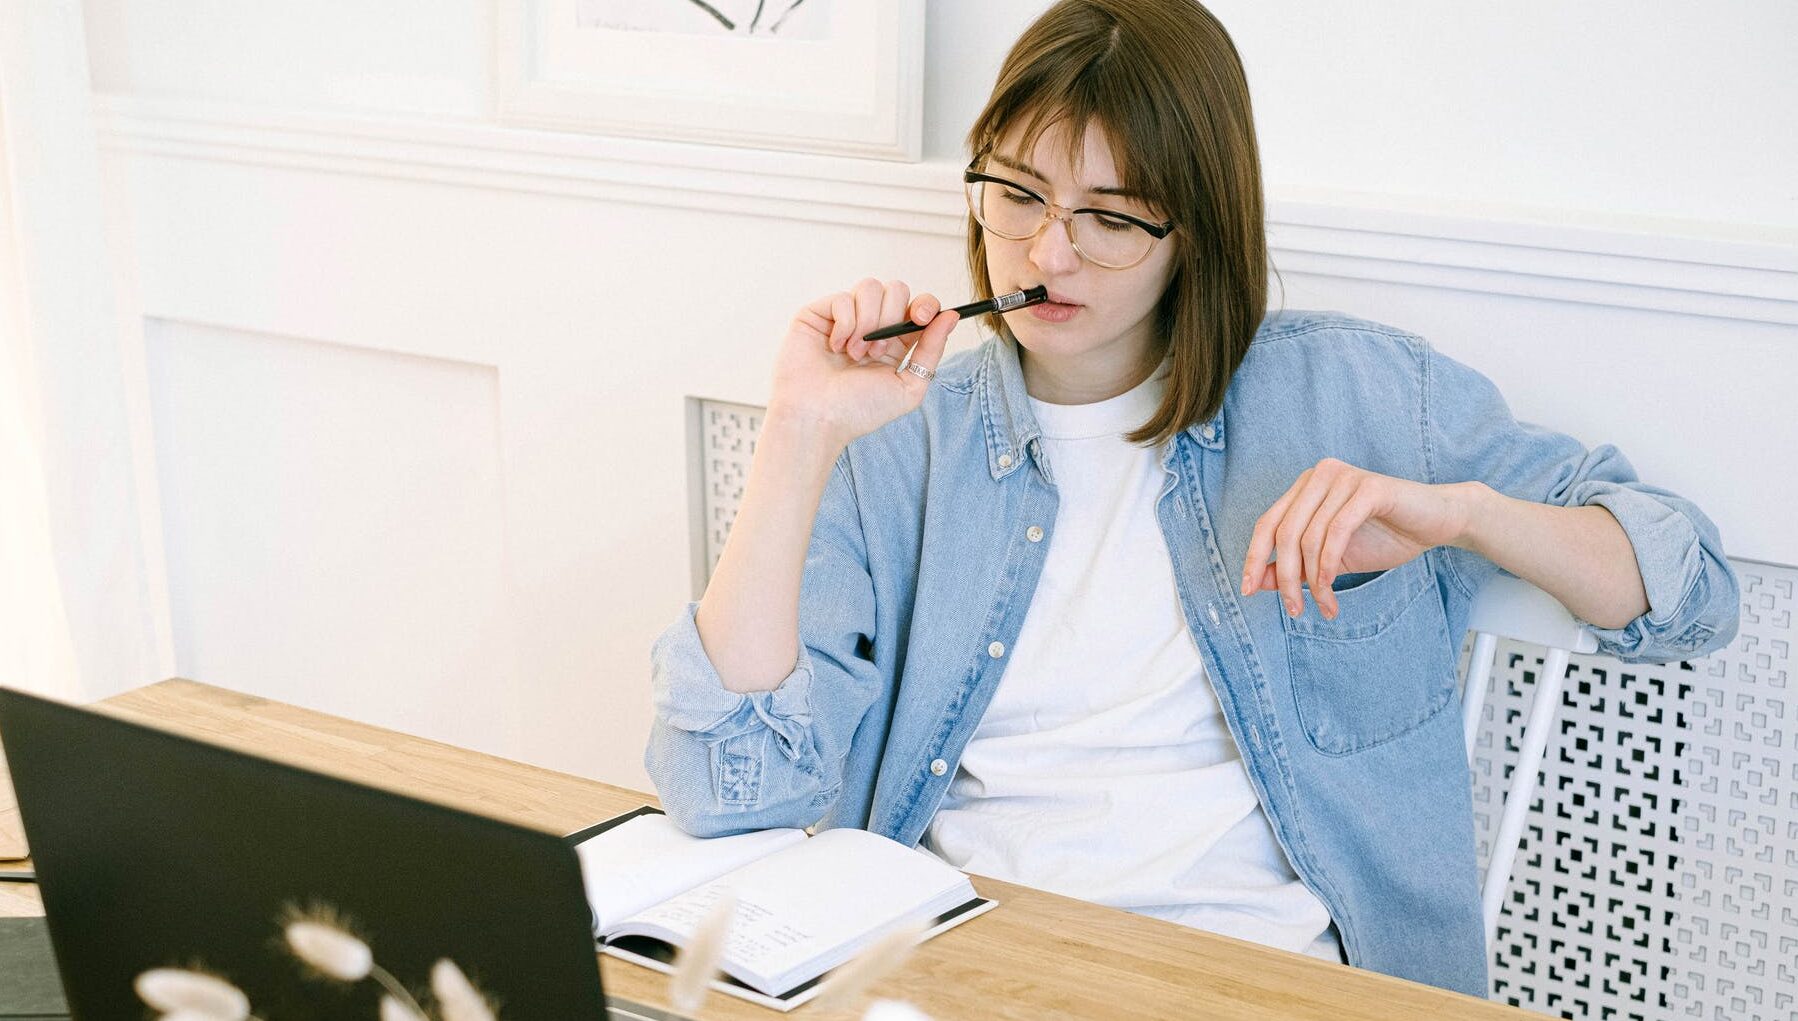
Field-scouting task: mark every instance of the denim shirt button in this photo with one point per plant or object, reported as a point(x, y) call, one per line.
point(1005, 460)
point(996, 650)
point(1035, 534)
point(938, 767)
point(1210, 431)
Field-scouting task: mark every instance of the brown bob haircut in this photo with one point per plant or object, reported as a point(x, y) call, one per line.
point(1165, 83)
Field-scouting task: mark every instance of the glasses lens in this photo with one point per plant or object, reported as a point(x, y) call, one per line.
point(1008, 212)
point(1012, 212)
point(1109, 240)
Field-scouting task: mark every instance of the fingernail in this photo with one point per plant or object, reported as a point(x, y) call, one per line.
point(1245, 584)
point(1292, 609)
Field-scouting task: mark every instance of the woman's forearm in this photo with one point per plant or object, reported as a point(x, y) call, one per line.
point(1579, 555)
point(748, 619)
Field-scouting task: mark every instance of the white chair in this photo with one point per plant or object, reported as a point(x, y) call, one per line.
point(1509, 607)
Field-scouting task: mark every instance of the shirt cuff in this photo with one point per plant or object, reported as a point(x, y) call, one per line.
point(1670, 560)
point(690, 696)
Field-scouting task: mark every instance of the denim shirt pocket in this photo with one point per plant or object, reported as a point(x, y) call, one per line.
point(1381, 669)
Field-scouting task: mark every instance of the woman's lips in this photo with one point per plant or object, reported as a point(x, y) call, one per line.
point(1054, 312)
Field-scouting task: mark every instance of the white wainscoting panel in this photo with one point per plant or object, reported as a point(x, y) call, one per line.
point(333, 521)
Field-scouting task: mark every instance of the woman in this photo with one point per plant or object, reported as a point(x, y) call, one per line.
point(1152, 599)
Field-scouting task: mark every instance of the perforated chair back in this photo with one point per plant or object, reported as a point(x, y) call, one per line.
point(1509, 607)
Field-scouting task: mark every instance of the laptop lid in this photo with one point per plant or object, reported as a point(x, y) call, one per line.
point(154, 850)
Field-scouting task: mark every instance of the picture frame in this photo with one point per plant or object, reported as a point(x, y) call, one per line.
point(847, 79)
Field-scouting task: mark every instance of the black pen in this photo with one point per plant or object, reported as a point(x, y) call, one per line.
point(1003, 303)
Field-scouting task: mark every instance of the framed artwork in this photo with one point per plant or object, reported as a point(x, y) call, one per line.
point(843, 77)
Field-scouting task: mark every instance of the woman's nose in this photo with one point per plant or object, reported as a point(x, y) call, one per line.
point(1053, 250)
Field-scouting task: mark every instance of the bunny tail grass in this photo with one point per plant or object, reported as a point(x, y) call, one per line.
point(893, 1010)
point(394, 1010)
point(192, 994)
point(854, 978)
point(457, 996)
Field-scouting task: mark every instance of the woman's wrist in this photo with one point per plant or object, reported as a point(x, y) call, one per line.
point(1478, 503)
point(808, 434)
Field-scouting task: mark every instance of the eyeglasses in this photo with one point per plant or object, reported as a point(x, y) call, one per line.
point(1103, 237)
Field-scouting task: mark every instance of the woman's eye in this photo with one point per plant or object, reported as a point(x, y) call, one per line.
point(1019, 198)
point(1113, 224)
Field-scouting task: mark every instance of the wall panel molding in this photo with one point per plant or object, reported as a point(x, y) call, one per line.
point(1726, 271)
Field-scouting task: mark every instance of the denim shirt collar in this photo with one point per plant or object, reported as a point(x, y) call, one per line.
point(1011, 428)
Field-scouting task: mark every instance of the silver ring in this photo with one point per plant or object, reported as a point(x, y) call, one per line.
point(923, 372)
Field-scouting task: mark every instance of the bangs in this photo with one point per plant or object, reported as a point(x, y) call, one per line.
point(1106, 91)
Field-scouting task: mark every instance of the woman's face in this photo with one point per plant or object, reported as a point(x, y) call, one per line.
point(1114, 320)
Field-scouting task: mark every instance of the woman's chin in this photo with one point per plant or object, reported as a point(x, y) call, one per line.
point(1046, 338)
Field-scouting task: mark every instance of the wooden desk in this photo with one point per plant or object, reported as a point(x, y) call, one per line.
point(1037, 956)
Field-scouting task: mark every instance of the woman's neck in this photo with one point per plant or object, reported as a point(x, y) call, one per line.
point(1092, 377)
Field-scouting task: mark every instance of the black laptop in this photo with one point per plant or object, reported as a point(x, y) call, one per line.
point(156, 851)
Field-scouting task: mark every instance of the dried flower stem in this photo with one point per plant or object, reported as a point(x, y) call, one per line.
point(394, 988)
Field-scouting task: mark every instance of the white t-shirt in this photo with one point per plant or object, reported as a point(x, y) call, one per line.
point(1103, 769)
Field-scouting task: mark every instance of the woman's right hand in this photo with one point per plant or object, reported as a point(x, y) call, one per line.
point(831, 378)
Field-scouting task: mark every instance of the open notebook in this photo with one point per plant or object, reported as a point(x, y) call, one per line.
point(805, 904)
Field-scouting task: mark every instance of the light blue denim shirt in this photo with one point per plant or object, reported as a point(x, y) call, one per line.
point(921, 568)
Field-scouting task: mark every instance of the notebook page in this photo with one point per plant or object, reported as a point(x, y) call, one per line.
point(649, 859)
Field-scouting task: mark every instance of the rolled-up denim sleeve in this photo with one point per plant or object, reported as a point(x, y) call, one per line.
point(724, 762)
point(1694, 598)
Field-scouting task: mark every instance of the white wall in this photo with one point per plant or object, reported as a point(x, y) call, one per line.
point(1658, 108)
point(416, 380)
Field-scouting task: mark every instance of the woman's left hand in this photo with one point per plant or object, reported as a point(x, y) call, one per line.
point(1339, 519)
